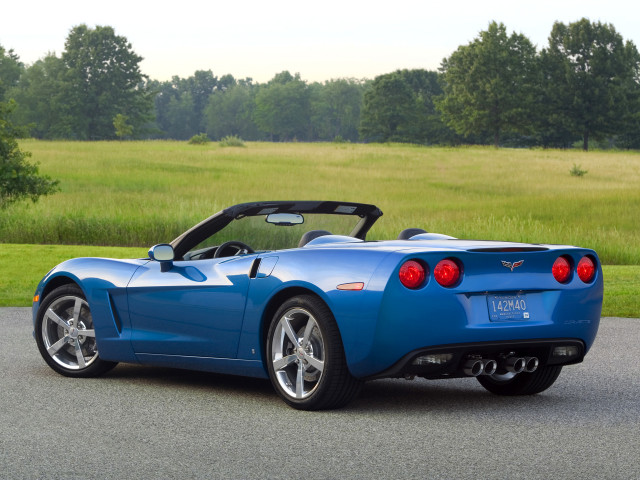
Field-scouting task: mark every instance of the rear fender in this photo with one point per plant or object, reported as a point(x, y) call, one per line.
point(299, 272)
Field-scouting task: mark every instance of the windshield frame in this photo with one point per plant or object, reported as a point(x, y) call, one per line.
point(367, 213)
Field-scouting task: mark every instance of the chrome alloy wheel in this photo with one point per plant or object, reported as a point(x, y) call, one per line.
point(67, 333)
point(298, 353)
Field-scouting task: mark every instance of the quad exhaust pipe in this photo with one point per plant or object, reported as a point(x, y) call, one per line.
point(474, 367)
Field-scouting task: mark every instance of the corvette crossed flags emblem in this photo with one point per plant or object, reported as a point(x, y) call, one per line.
point(512, 265)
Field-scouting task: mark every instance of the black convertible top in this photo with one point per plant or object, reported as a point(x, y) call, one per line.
point(368, 214)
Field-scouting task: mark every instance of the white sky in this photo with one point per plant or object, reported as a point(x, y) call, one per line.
point(320, 40)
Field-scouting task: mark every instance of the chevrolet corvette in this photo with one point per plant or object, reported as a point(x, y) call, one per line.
point(294, 292)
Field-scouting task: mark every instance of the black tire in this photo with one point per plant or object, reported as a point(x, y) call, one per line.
point(65, 334)
point(308, 371)
point(522, 383)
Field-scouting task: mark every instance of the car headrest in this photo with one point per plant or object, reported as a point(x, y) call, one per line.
point(407, 233)
point(310, 235)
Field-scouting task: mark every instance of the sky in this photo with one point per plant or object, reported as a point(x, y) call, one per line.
point(321, 40)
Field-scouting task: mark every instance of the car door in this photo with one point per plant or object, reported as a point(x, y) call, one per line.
point(195, 308)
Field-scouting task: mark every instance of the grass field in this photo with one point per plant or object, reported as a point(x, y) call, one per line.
point(142, 193)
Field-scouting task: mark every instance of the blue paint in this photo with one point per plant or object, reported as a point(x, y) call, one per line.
point(209, 314)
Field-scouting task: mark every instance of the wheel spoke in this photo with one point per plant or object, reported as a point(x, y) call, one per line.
point(80, 355)
point(286, 325)
point(315, 363)
point(51, 315)
point(311, 323)
point(76, 311)
point(53, 349)
point(283, 362)
point(300, 381)
point(87, 333)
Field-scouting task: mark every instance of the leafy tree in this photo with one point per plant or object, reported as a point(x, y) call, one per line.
point(199, 87)
point(427, 127)
point(489, 84)
point(181, 121)
point(553, 125)
point(41, 101)
point(19, 179)
point(102, 79)
point(230, 113)
point(282, 108)
point(163, 93)
point(388, 110)
point(629, 135)
point(335, 109)
point(123, 129)
point(181, 104)
point(227, 81)
point(10, 70)
point(592, 78)
point(399, 106)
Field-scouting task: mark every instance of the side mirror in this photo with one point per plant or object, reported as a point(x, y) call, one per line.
point(162, 253)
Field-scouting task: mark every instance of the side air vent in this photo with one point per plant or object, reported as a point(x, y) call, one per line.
point(114, 314)
point(254, 268)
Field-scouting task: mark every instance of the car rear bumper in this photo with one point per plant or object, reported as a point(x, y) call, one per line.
point(448, 361)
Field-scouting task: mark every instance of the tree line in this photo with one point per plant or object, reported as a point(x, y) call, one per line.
point(498, 89)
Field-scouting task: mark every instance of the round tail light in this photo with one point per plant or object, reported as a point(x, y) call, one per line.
point(412, 274)
point(447, 273)
point(561, 269)
point(586, 269)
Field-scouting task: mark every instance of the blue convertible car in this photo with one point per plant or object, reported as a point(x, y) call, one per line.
point(329, 310)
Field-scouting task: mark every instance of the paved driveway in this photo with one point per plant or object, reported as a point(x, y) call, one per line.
point(139, 422)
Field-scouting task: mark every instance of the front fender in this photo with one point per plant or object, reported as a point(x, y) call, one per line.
point(103, 282)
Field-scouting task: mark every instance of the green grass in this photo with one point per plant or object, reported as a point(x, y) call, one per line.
point(621, 291)
point(143, 193)
point(23, 266)
point(140, 193)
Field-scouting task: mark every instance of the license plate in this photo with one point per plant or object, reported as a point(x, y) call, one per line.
point(505, 308)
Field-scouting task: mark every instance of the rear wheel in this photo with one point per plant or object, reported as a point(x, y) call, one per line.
point(305, 357)
point(521, 383)
point(66, 336)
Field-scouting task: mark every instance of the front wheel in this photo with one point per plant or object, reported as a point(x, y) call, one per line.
point(305, 357)
point(521, 383)
point(65, 334)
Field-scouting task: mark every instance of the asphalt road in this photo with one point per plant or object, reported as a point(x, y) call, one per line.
point(139, 422)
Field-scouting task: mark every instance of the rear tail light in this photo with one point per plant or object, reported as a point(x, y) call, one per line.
point(561, 269)
point(412, 274)
point(586, 269)
point(447, 272)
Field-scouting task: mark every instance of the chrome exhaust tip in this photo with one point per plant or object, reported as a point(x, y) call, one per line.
point(473, 367)
point(490, 367)
point(531, 364)
point(515, 364)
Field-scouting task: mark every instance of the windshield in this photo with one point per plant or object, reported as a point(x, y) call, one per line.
point(262, 236)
